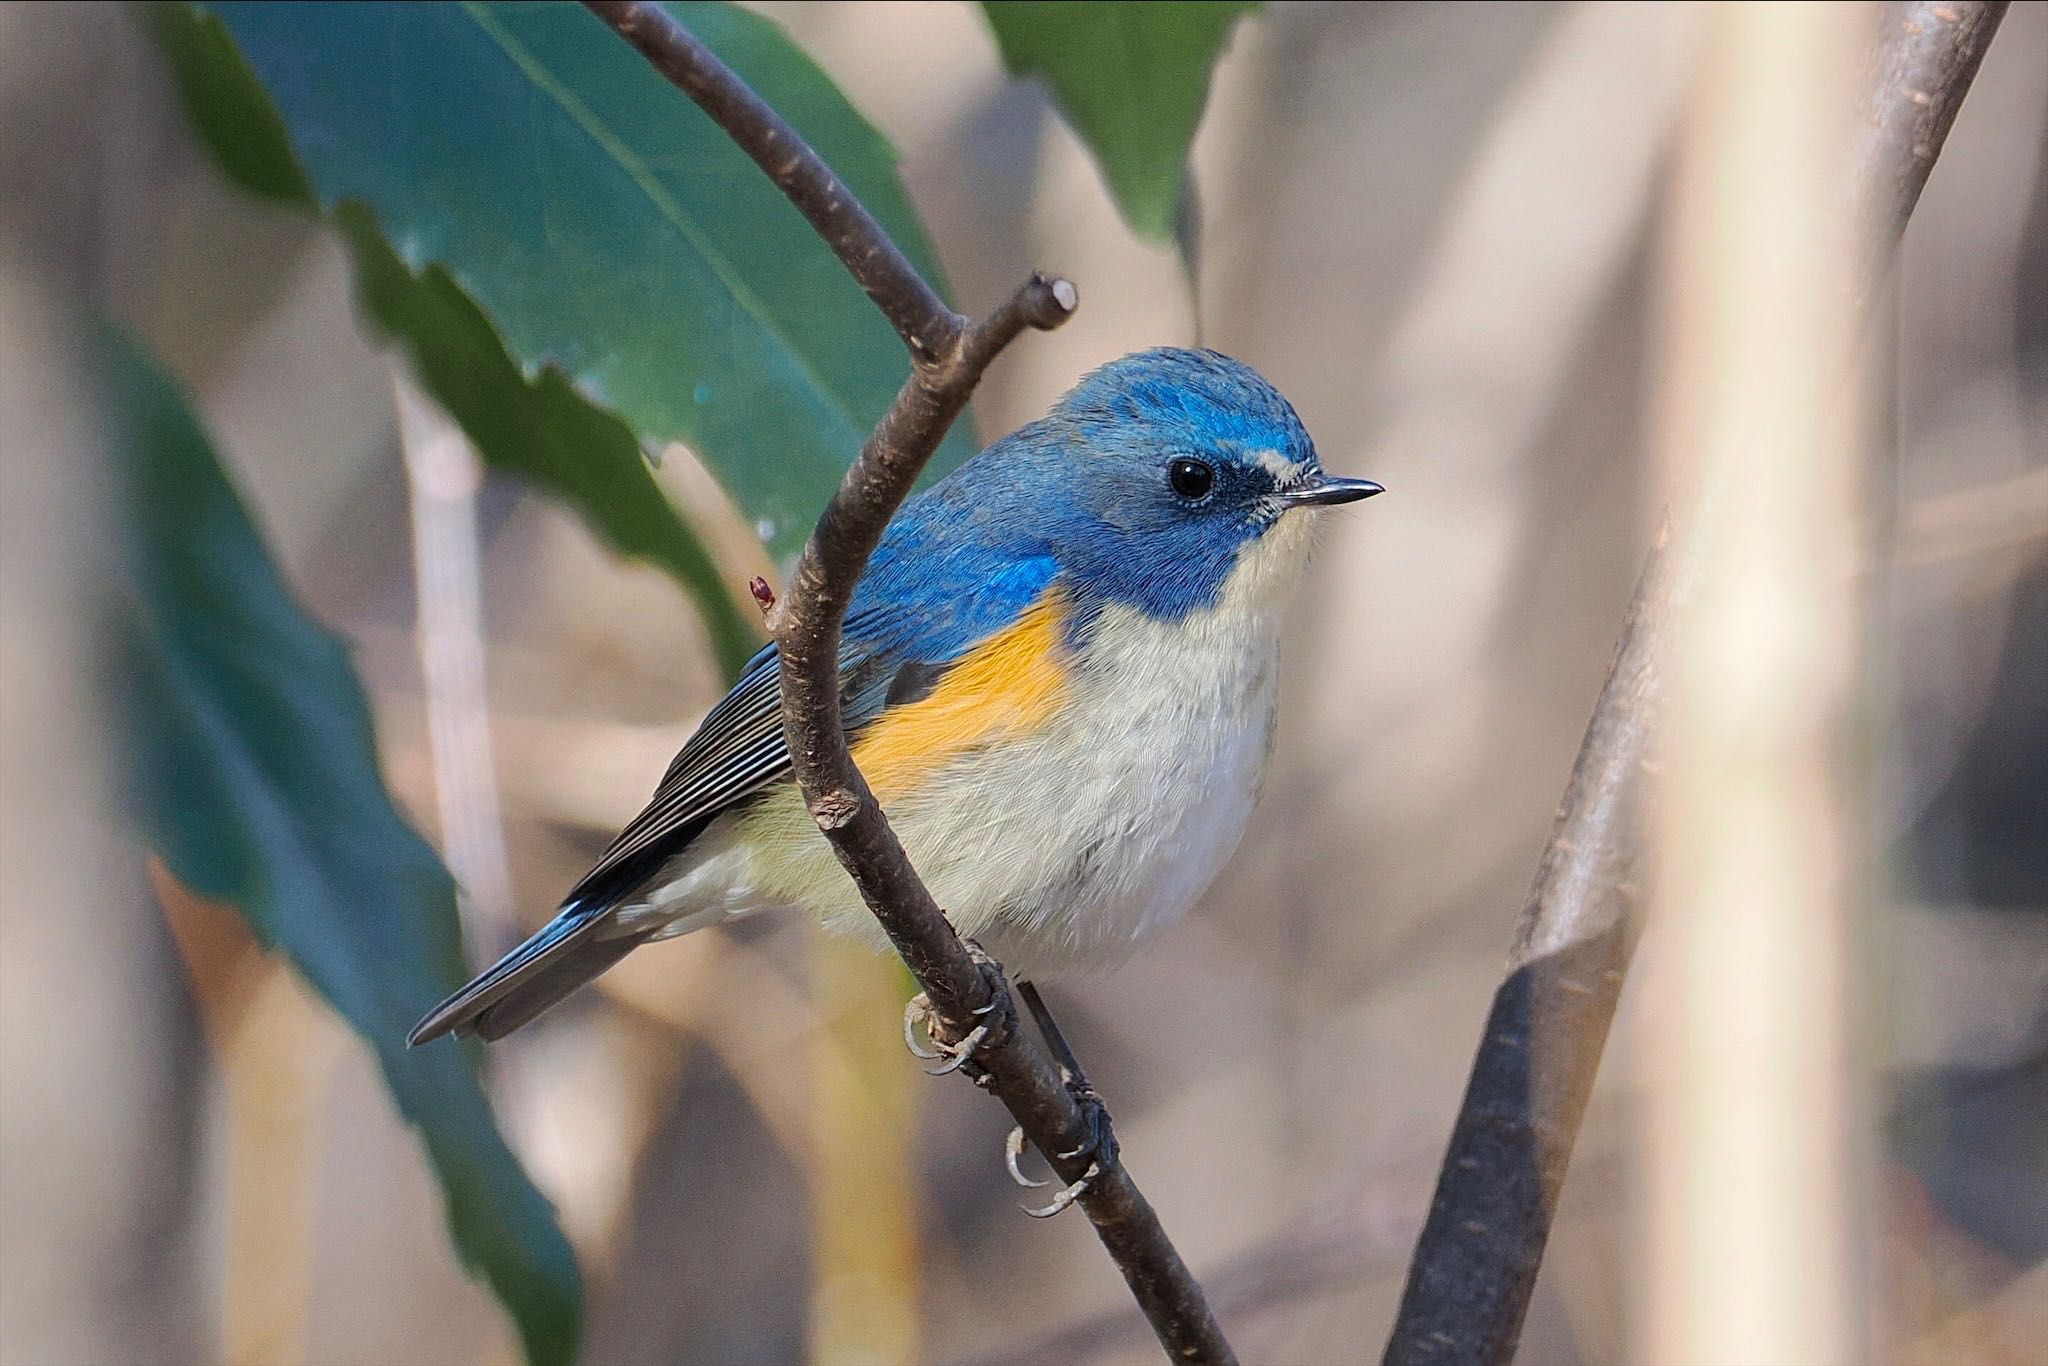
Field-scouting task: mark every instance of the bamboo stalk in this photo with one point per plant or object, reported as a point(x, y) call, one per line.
point(1750, 1116)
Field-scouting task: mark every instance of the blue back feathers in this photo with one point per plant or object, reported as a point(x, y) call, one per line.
point(1084, 496)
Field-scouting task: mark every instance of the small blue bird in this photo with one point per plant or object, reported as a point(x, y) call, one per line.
point(1059, 675)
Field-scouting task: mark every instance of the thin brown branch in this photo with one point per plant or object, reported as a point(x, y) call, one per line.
point(1475, 1263)
point(911, 305)
point(1923, 67)
point(948, 356)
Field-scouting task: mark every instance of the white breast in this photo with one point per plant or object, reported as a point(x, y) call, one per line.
point(1125, 809)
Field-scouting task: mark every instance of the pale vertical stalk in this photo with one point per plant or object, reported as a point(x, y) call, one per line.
point(278, 1066)
point(277, 1049)
point(864, 1232)
point(443, 475)
point(1749, 1099)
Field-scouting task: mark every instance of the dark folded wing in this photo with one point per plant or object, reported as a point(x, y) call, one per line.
point(737, 751)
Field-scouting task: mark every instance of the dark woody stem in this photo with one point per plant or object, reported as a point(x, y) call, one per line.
point(948, 355)
point(1475, 1263)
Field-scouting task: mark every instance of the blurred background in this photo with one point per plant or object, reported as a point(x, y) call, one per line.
point(1436, 228)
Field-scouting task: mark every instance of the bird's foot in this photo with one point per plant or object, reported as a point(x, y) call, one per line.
point(1098, 1144)
point(994, 1023)
point(1066, 1195)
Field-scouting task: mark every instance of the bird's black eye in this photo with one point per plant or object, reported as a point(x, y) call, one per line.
point(1191, 479)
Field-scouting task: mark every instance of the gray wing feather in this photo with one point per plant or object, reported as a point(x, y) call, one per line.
point(737, 751)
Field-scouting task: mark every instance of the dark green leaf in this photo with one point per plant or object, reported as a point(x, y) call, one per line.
point(603, 225)
point(258, 780)
point(540, 429)
point(1132, 78)
point(226, 105)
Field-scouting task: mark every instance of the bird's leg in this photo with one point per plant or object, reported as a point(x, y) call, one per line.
point(1099, 1145)
point(994, 1023)
point(1101, 1140)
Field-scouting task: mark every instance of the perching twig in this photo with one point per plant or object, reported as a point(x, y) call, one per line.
point(948, 354)
point(1475, 1264)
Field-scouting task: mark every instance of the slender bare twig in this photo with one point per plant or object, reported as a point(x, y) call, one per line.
point(1475, 1264)
point(948, 355)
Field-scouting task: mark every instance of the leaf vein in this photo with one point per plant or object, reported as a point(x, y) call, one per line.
point(667, 205)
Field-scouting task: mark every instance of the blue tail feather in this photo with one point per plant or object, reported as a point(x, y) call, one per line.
point(560, 957)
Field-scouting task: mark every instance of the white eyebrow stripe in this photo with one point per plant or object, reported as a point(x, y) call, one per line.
point(1283, 470)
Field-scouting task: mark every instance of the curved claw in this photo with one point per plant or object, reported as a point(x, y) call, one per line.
point(1013, 1152)
point(918, 1012)
point(958, 1054)
point(1067, 1196)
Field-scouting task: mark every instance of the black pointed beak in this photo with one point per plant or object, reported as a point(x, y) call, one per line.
point(1324, 491)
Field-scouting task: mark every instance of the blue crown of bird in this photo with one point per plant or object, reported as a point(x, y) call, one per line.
point(1058, 675)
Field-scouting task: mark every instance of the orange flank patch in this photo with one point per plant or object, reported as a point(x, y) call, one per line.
point(1009, 684)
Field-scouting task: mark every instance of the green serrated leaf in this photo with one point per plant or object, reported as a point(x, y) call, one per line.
point(1131, 78)
point(604, 225)
point(539, 429)
point(257, 778)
